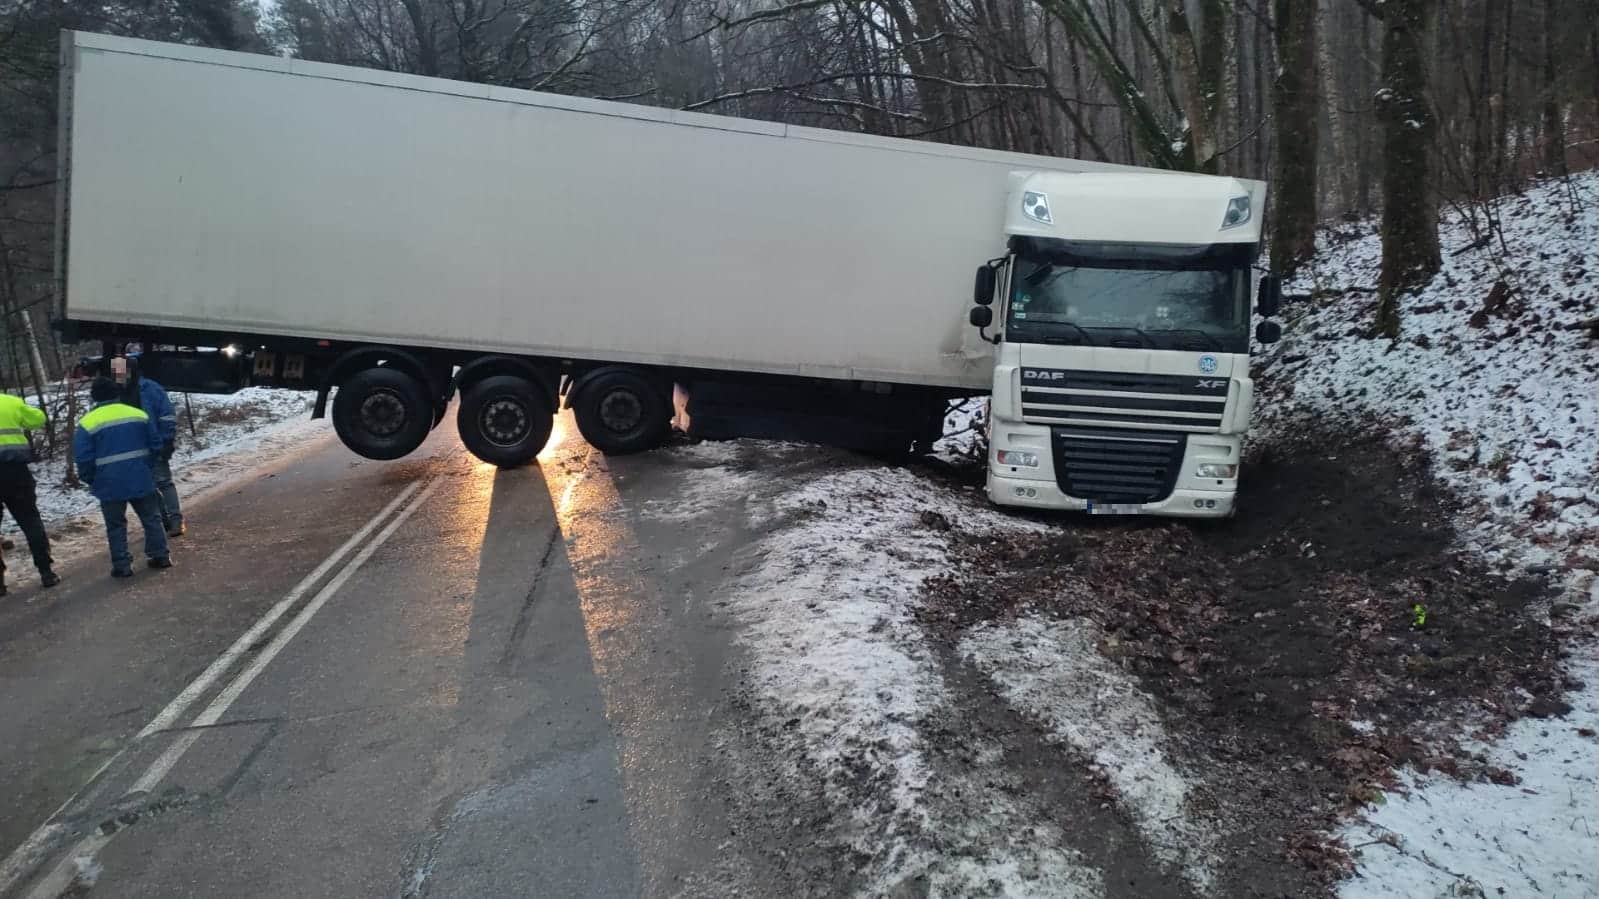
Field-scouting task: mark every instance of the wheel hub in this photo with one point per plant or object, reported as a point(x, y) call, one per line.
point(504, 421)
point(383, 413)
point(621, 411)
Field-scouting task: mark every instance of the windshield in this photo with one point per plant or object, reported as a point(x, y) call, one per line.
point(1179, 298)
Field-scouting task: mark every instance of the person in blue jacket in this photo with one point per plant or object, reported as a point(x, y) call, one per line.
point(116, 447)
point(152, 398)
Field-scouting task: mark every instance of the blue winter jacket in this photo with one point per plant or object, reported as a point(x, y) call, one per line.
point(153, 399)
point(115, 447)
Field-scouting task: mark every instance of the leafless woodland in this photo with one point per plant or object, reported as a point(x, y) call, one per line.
point(1351, 108)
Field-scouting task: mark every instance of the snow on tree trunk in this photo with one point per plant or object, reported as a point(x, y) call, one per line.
point(1410, 252)
point(1295, 110)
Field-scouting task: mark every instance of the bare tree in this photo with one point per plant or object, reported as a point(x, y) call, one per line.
point(1410, 250)
point(1295, 112)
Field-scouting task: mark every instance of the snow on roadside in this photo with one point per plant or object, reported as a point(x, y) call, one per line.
point(1506, 399)
point(1538, 837)
point(852, 689)
point(236, 433)
point(1053, 672)
point(840, 665)
point(963, 431)
point(1511, 408)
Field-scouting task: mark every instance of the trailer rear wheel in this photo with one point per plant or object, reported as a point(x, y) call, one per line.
point(621, 412)
point(382, 413)
point(504, 420)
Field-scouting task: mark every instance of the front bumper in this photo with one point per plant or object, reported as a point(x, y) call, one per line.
point(1039, 487)
point(1045, 495)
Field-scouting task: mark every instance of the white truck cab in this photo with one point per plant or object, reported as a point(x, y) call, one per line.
point(1122, 325)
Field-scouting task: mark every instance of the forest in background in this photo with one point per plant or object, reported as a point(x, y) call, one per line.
point(1350, 108)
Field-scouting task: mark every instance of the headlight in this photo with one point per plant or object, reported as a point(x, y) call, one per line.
point(1237, 212)
point(1018, 458)
point(1217, 470)
point(1035, 205)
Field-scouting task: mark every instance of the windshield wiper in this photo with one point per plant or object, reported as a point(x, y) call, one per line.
point(1046, 338)
point(1142, 335)
point(1208, 338)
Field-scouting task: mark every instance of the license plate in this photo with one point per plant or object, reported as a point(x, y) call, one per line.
point(1114, 508)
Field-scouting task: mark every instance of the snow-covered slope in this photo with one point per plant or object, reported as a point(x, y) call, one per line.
point(1496, 375)
point(1506, 399)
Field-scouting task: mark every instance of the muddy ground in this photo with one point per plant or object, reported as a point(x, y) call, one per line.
point(1331, 633)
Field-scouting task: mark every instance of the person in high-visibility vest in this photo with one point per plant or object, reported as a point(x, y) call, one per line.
point(150, 396)
point(18, 491)
point(116, 447)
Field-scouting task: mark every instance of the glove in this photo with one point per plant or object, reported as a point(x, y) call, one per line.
point(167, 449)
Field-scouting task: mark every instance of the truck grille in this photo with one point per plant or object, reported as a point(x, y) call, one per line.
point(1117, 466)
point(1192, 404)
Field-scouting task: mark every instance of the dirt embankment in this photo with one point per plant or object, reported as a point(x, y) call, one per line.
point(1332, 633)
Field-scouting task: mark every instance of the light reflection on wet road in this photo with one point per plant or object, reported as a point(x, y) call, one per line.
point(512, 696)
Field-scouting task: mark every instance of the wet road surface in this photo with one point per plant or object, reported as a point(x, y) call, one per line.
point(436, 679)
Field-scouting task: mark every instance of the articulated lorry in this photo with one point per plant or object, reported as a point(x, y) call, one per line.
point(393, 242)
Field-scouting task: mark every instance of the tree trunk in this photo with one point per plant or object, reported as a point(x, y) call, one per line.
point(1410, 252)
point(427, 49)
point(1363, 175)
point(1554, 126)
point(1295, 112)
point(1482, 111)
point(1200, 58)
point(1334, 105)
point(1504, 172)
point(36, 362)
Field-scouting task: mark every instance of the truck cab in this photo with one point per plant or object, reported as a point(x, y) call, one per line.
point(1121, 325)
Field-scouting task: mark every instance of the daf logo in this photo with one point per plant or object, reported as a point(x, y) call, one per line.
point(1203, 384)
point(1031, 375)
point(1207, 365)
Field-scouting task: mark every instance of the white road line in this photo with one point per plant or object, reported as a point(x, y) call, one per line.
point(219, 706)
point(20, 859)
point(193, 691)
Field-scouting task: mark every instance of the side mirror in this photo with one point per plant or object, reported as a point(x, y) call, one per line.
point(1269, 299)
point(1267, 332)
point(983, 288)
point(981, 317)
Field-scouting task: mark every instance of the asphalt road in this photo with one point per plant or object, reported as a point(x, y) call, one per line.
point(442, 679)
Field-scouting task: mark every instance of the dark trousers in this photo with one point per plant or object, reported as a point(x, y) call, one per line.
point(148, 508)
point(18, 496)
point(171, 512)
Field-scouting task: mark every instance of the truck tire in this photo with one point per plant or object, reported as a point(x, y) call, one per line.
point(504, 420)
point(382, 413)
point(622, 412)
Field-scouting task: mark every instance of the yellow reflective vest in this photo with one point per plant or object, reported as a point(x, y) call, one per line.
point(16, 418)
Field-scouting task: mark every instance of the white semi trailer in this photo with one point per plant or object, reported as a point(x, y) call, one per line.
point(393, 241)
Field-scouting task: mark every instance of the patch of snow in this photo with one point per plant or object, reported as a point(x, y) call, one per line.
point(1505, 396)
point(1053, 672)
point(1540, 837)
point(713, 452)
point(826, 609)
point(701, 496)
point(963, 430)
point(86, 872)
point(1511, 409)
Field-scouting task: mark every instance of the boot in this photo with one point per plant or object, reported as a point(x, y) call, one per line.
point(160, 562)
point(175, 529)
point(48, 578)
point(122, 572)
